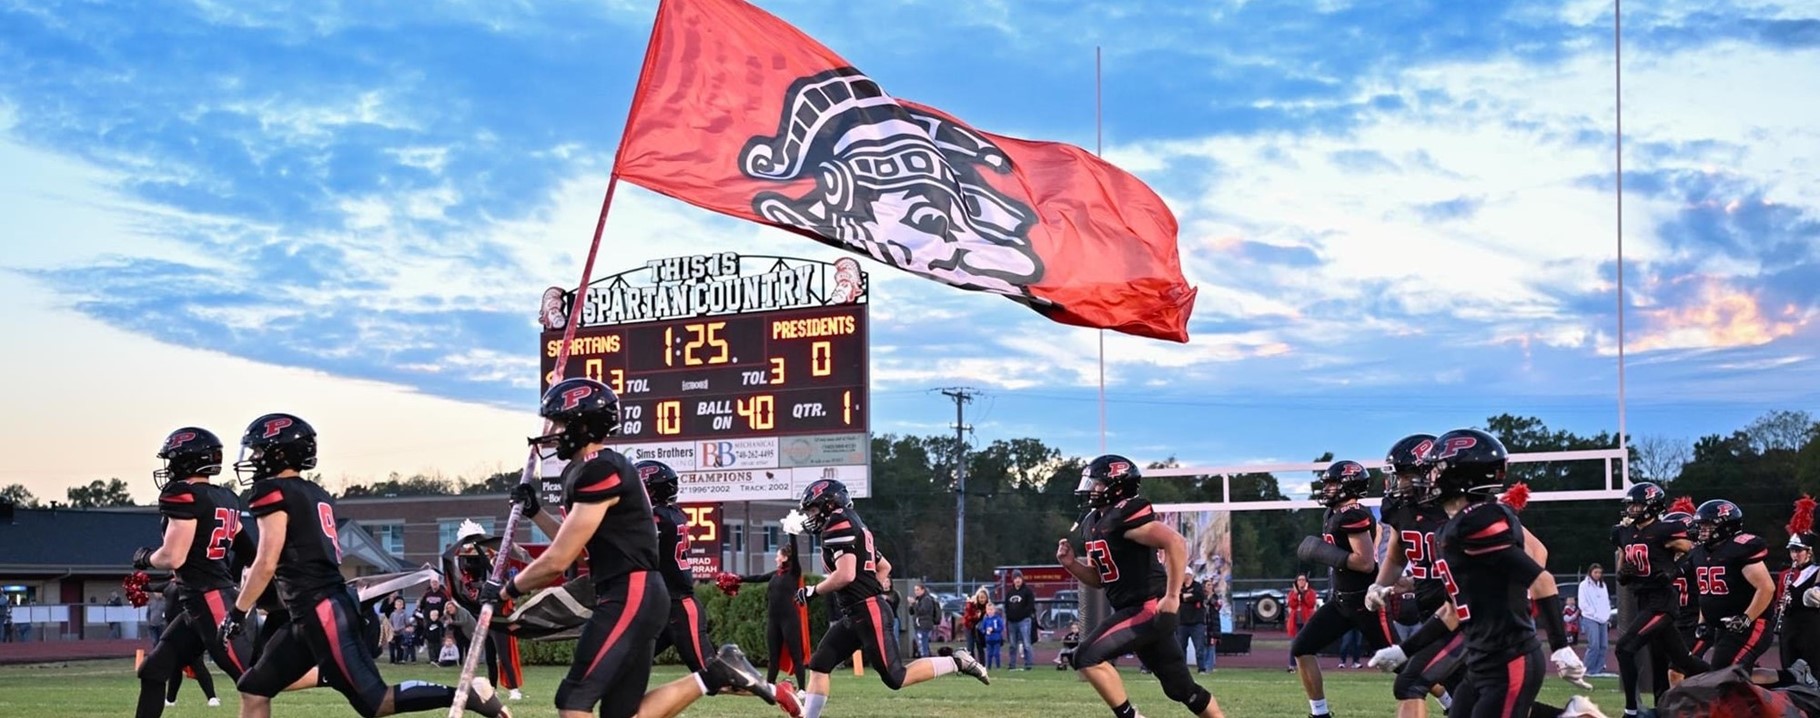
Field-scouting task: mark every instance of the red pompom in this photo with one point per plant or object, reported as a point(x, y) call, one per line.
point(1683, 504)
point(1517, 497)
point(1803, 519)
point(135, 584)
point(728, 583)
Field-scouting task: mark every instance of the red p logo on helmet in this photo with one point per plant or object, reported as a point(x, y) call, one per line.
point(1457, 444)
point(1422, 448)
point(179, 439)
point(274, 426)
point(1117, 469)
point(646, 472)
point(572, 398)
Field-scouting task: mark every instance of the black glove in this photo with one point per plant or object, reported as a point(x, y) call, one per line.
point(1316, 550)
point(1703, 632)
point(1737, 624)
point(490, 591)
point(525, 495)
point(230, 626)
point(804, 594)
point(142, 558)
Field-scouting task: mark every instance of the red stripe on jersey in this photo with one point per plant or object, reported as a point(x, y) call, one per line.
point(1141, 513)
point(1484, 550)
point(635, 594)
point(1500, 527)
point(267, 500)
point(878, 632)
point(694, 618)
point(1357, 525)
point(610, 482)
point(325, 614)
point(843, 524)
point(1515, 673)
point(183, 498)
point(1758, 556)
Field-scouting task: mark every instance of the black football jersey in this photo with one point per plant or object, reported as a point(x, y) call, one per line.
point(1338, 529)
point(1719, 575)
point(1129, 571)
point(673, 550)
point(845, 534)
point(1417, 526)
point(626, 539)
point(1645, 561)
point(309, 566)
point(216, 510)
point(1487, 574)
point(1687, 600)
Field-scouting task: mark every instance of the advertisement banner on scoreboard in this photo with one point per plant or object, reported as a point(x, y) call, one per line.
point(824, 450)
point(1209, 537)
point(731, 454)
point(857, 479)
point(678, 456)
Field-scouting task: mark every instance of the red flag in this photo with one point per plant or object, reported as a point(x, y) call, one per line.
point(740, 113)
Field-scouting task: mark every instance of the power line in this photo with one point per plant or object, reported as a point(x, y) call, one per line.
point(961, 397)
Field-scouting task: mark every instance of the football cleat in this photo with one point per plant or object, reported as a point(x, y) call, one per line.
point(1581, 707)
point(730, 669)
point(786, 699)
point(515, 695)
point(214, 702)
point(964, 662)
point(1803, 673)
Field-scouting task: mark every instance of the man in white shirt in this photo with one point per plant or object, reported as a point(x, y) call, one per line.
point(1595, 615)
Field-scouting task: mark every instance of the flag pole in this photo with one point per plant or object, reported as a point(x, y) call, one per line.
point(484, 621)
point(1098, 150)
point(1617, 47)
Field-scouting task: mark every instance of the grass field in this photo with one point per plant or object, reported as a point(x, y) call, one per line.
point(107, 688)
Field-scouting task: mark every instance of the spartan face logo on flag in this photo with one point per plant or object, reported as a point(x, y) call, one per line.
point(895, 183)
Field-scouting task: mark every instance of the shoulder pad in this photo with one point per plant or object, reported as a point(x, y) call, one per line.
point(1355, 519)
point(1132, 513)
point(597, 481)
point(1487, 527)
point(1749, 548)
point(268, 497)
point(178, 500)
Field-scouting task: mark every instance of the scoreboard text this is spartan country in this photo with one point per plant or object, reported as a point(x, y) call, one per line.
point(746, 374)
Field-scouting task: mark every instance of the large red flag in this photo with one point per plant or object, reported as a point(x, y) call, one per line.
point(740, 113)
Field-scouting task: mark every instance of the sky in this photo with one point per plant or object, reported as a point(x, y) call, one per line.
point(1399, 219)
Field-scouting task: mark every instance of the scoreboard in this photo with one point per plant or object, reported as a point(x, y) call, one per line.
point(747, 375)
point(776, 374)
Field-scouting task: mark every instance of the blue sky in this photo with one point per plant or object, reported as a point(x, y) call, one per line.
point(1400, 218)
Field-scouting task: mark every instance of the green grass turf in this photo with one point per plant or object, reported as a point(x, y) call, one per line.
point(107, 688)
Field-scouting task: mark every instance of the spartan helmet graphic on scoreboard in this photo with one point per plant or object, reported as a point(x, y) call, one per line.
point(895, 183)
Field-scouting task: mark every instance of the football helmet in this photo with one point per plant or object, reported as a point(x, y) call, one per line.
point(820, 500)
point(187, 452)
point(1679, 517)
point(1108, 480)
point(1645, 502)
point(1462, 462)
point(661, 481)
point(1343, 481)
point(581, 411)
point(1716, 521)
point(272, 444)
point(1404, 462)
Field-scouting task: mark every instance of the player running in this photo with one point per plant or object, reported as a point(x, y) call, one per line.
point(1648, 548)
point(1346, 545)
point(298, 551)
point(607, 514)
point(1736, 590)
point(1413, 526)
point(201, 523)
point(866, 622)
point(1121, 539)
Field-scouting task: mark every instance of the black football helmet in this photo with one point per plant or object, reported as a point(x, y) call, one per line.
point(274, 443)
point(1717, 521)
point(1343, 481)
point(1679, 517)
point(1108, 480)
point(582, 411)
point(1462, 462)
point(188, 452)
point(820, 500)
point(661, 481)
point(1403, 463)
point(1644, 502)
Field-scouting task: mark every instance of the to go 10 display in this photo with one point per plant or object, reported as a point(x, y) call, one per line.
point(786, 372)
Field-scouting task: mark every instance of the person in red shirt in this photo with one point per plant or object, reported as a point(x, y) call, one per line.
point(1301, 608)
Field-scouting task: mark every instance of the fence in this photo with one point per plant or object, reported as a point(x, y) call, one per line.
point(75, 622)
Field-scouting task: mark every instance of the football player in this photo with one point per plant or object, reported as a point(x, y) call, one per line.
point(1412, 526)
point(866, 623)
point(201, 523)
point(1687, 595)
point(1346, 545)
point(1121, 539)
point(1735, 588)
point(1492, 568)
point(299, 552)
point(1648, 548)
point(608, 515)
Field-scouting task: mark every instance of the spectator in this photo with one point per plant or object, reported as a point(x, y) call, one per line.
point(1570, 615)
point(1210, 618)
point(113, 627)
point(450, 654)
point(924, 612)
point(1191, 627)
point(1300, 607)
point(1352, 644)
point(435, 609)
point(1020, 612)
point(1595, 618)
point(6, 620)
point(403, 630)
point(1070, 641)
point(992, 631)
point(154, 610)
point(971, 615)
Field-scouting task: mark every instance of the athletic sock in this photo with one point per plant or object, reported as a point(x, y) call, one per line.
point(1317, 706)
point(1124, 710)
point(812, 705)
point(943, 665)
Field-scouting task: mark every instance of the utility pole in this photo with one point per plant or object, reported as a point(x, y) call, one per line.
point(960, 395)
